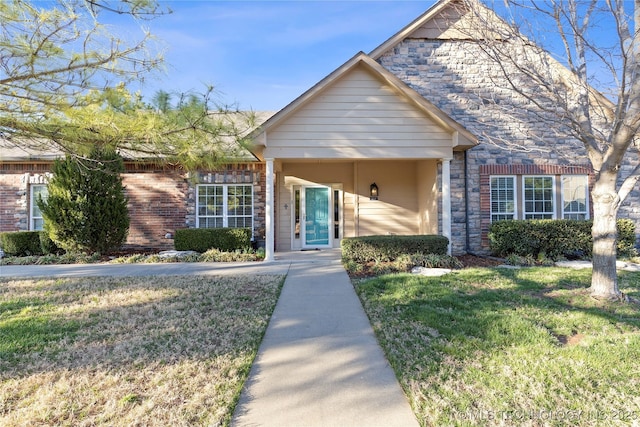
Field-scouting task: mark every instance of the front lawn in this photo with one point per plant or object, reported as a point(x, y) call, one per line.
point(129, 351)
point(491, 346)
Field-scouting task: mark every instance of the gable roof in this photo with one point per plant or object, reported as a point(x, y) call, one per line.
point(418, 23)
point(449, 19)
point(465, 138)
point(446, 19)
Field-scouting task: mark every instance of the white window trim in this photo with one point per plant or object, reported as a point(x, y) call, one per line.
point(554, 212)
point(586, 203)
point(32, 204)
point(514, 178)
point(225, 203)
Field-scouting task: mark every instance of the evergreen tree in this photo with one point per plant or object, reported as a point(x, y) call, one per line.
point(86, 209)
point(65, 85)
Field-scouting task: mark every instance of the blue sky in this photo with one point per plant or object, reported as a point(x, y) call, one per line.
point(263, 54)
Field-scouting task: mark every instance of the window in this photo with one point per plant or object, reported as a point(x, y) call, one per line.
point(224, 206)
point(503, 198)
point(36, 222)
point(336, 214)
point(538, 197)
point(575, 197)
point(296, 209)
point(515, 196)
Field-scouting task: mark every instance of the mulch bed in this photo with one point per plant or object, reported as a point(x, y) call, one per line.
point(470, 261)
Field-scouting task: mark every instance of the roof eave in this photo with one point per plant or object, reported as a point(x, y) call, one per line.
point(362, 58)
point(406, 31)
point(305, 97)
point(421, 102)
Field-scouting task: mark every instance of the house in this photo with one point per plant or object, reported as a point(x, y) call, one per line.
point(397, 141)
point(161, 197)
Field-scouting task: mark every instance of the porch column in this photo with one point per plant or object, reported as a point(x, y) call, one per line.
point(269, 218)
point(446, 201)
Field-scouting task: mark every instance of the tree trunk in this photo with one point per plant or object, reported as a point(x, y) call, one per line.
point(604, 280)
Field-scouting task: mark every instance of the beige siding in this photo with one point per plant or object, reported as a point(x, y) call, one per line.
point(427, 196)
point(396, 210)
point(283, 216)
point(358, 116)
point(349, 206)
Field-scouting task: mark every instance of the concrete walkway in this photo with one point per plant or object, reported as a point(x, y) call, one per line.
point(319, 363)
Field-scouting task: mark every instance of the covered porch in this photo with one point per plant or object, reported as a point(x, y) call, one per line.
point(357, 130)
point(318, 203)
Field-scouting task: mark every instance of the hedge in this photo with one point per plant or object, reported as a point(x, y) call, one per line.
point(626, 237)
point(21, 243)
point(388, 248)
point(554, 238)
point(27, 243)
point(203, 239)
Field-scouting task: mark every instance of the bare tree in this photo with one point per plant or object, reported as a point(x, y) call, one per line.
point(589, 91)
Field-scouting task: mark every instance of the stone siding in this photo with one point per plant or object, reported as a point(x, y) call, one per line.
point(454, 77)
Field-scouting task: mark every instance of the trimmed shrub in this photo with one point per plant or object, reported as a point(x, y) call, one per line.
point(21, 243)
point(553, 238)
point(626, 238)
point(388, 248)
point(203, 239)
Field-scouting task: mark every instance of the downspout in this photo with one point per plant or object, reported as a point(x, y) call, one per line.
point(467, 242)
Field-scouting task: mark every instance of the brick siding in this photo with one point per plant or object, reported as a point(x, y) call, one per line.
point(161, 199)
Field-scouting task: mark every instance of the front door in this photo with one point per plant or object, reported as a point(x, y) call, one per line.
point(316, 215)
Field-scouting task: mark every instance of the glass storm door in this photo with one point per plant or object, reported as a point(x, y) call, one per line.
point(317, 216)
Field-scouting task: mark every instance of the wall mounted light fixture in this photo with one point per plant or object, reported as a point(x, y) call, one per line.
point(373, 191)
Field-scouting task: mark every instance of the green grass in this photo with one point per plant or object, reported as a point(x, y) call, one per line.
point(30, 326)
point(129, 351)
point(517, 347)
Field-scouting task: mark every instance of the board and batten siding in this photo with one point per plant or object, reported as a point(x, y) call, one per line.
point(358, 117)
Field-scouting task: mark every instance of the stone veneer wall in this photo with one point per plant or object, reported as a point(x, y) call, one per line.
point(453, 76)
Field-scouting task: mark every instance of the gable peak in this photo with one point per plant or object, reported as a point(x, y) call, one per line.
point(445, 20)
